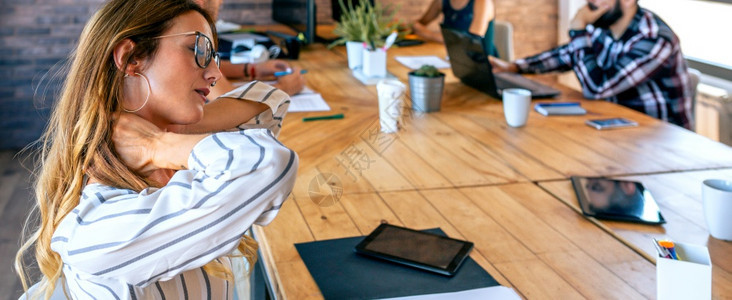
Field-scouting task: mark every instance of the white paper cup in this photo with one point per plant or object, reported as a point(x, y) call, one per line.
point(717, 198)
point(516, 106)
point(391, 99)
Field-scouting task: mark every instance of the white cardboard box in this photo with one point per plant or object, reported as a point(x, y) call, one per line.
point(688, 278)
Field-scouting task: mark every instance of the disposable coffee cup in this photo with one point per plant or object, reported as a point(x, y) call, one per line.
point(516, 106)
point(391, 99)
point(717, 198)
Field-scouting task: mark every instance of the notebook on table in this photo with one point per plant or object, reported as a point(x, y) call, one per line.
point(340, 273)
point(470, 63)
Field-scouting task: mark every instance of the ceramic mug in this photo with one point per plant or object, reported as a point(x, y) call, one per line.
point(516, 106)
point(717, 198)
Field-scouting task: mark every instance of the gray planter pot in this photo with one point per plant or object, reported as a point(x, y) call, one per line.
point(426, 92)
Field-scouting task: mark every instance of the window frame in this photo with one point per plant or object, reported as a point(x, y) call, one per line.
point(710, 68)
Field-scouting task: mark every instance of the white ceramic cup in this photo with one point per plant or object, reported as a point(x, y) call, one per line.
point(717, 198)
point(516, 106)
point(391, 99)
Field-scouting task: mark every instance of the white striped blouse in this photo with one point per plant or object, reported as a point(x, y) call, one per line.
point(118, 244)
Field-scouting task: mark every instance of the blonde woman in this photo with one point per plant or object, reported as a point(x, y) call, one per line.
point(144, 190)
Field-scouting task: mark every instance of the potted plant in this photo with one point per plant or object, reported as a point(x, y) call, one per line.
point(350, 29)
point(425, 86)
point(365, 27)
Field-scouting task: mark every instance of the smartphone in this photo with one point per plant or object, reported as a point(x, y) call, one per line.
point(601, 124)
point(417, 249)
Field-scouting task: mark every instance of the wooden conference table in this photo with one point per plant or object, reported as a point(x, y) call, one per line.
point(505, 189)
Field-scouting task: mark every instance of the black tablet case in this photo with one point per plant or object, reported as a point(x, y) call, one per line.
point(342, 274)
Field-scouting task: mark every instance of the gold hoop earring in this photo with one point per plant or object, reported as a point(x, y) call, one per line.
point(149, 90)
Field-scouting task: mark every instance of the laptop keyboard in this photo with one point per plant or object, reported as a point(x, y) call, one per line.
point(513, 80)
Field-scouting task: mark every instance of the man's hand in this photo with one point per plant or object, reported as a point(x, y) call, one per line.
point(499, 65)
point(585, 16)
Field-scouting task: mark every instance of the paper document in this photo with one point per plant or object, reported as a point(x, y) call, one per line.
point(307, 100)
point(493, 292)
point(414, 62)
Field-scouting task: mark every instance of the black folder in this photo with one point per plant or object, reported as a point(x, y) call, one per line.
point(342, 274)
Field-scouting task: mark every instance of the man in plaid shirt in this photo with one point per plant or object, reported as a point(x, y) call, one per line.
point(622, 53)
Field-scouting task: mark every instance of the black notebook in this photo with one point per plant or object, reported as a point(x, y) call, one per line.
point(342, 274)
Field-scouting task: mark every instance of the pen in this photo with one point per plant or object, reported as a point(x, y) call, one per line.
point(288, 72)
point(662, 252)
point(669, 245)
point(330, 117)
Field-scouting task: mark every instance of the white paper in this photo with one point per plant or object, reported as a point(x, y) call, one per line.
point(307, 100)
point(493, 293)
point(414, 62)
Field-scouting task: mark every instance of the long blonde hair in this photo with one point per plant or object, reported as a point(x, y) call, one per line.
point(78, 142)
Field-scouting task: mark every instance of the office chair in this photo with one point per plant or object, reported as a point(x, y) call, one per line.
point(503, 39)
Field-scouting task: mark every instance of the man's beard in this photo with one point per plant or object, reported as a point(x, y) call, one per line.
point(608, 18)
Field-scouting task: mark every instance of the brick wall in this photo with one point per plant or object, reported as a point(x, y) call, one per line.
point(37, 35)
point(534, 21)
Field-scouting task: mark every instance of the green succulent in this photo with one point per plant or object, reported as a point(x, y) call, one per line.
point(365, 23)
point(427, 71)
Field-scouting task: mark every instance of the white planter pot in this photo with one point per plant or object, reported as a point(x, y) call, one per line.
point(374, 63)
point(355, 54)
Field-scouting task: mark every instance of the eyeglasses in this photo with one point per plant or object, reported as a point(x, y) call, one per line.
point(203, 49)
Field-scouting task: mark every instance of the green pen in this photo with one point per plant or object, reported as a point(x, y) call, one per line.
point(330, 117)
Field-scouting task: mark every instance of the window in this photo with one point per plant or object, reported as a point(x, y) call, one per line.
point(702, 28)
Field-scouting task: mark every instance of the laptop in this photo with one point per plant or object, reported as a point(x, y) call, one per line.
point(470, 63)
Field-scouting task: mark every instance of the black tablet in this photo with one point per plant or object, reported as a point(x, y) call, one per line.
point(613, 199)
point(431, 252)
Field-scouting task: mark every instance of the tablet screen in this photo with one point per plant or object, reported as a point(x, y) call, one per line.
point(415, 248)
point(616, 199)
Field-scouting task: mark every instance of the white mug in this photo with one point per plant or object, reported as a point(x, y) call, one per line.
point(391, 99)
point(717, 198)
point(516, 106)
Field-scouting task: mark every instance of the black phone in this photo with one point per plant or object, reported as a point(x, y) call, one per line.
point(614, 199)
point(426, 251)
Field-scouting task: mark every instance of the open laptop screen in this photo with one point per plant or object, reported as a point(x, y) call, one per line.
point(468, 60)
point(470, 63)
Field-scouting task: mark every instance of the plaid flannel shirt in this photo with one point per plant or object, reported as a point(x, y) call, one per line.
point(644, 69)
